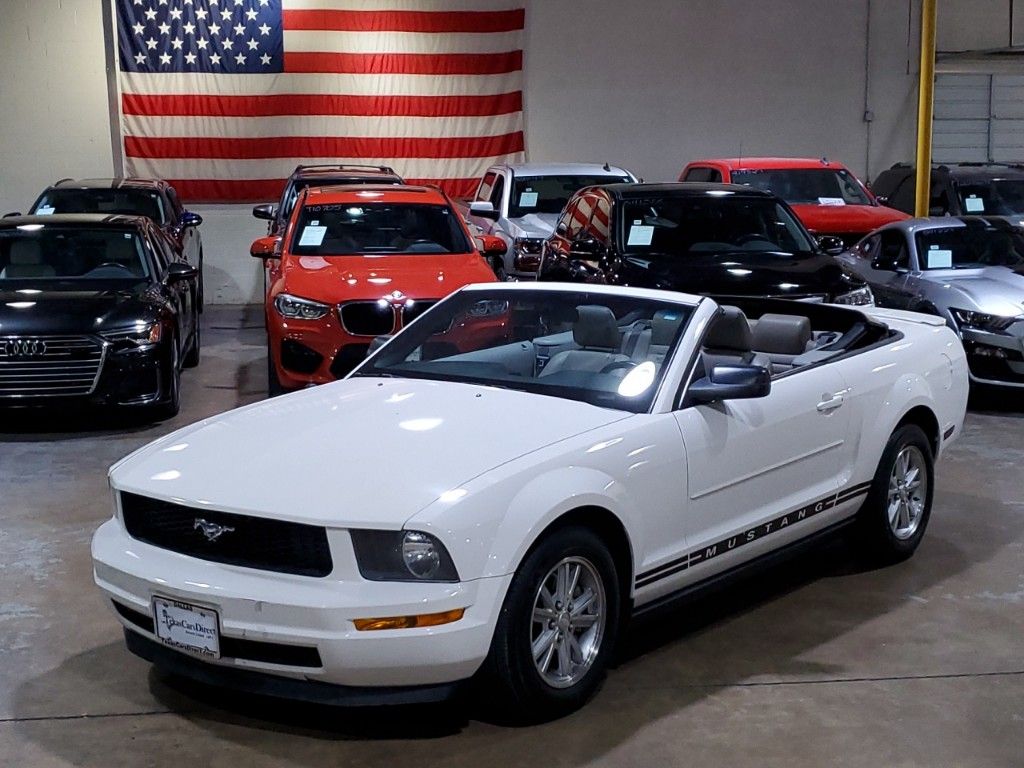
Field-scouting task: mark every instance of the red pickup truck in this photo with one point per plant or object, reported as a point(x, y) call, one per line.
point(827, 197)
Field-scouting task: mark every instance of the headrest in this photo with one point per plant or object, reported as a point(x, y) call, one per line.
point(595, 327)
point(25, 252)
point(729, 331)
point(664, 325)
point(782, 334)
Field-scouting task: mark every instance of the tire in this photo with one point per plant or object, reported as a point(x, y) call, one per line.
point(274, 387)
point(201, 291)
point(172, 404)
point(524, 689)
point(191, 359)
point(498, 267)
point(896, 512)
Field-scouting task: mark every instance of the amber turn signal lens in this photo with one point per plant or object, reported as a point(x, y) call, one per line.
point(409, 622)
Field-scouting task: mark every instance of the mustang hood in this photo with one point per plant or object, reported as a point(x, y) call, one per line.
point(335, 279)
point(742, 274)
point(52, 306)
point(993, 290)
point(362, 452)
point(856, 219)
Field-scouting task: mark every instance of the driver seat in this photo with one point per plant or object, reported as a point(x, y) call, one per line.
point(26, 261)
point(730, 342)
point(597, 334)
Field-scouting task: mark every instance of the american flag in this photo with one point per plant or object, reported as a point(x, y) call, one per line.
point(224, 97)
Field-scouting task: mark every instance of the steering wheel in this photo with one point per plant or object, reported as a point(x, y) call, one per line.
point(748, 238)
point(617, 365)
point(111, 265)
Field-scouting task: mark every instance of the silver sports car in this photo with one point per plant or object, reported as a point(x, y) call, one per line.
point(969, 270)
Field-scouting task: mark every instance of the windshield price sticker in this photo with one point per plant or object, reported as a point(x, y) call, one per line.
point(974, 204)
point(312, 235)
point(45, 210)
point(831, 201)
point(640, 234)
point(528, 199)
point(940, 258)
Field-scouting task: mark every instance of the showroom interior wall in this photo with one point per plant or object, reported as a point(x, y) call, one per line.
point(648, 84)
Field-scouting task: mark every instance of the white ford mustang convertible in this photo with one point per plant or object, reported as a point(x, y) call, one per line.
point(499, 487)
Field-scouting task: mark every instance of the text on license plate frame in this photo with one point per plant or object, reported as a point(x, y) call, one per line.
point(187, 627)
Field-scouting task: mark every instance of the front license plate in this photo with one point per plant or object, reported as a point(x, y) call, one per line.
point(187, 627)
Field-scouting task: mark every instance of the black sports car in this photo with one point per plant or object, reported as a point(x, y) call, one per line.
point(714, 239)
point(94, 310)
point(154, 198)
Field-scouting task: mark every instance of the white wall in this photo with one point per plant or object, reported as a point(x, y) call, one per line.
point(649, 84)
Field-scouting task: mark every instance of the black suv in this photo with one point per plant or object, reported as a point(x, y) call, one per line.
point(716, 239)
point(153, 198)
point(960, 189)
point(320, 176)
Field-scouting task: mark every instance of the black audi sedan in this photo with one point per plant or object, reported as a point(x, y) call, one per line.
point(97, 310)
point(714, 239)
point(153, 198)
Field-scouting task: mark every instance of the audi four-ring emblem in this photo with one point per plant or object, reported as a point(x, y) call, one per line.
point(24, 347)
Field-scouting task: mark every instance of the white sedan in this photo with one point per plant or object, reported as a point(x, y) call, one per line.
point(501, 485)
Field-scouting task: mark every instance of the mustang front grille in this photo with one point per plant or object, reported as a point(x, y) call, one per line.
point(251, 542)
point(49, 366)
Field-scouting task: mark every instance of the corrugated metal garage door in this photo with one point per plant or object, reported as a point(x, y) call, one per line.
point(978, 118)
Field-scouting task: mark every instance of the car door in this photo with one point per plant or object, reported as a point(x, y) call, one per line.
point(188, 237)
point(181, 294)
point(886, 267)
point(763, 472)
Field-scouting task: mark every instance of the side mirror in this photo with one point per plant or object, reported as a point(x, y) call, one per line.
point(882, 199)
point(266, 211)
point(179, 271)
point(266, 248)
point(484, 210)
point(731, 382)
point(189, 219)
point(377, 343)
point(12, 214)
point(491, 246)
point(831, 245)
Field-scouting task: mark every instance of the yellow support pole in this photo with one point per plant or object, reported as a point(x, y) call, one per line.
point(925, 108)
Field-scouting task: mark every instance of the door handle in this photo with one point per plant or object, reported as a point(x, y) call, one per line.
point(830, 403)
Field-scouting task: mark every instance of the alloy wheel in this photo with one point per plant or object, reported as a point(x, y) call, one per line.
point(908, 490)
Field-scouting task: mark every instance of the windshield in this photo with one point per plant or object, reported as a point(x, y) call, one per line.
point(549, 194)
point(51, 253)
point(375, 228)
point(998, 197)
point(817, 186)
point(605, 350)
point(970, 247)
point(711, 224)
point(291, 195)
point(131, 202)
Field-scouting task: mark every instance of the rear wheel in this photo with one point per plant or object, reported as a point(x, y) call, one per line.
point(896, 512)
point(192, 356)
point(557, 627)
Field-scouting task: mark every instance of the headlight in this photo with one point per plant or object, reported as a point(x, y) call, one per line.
point(141, 334)
point(402, 556)
point(861, 297)
point(527, 253)
point(295, 308)
point(965, 318)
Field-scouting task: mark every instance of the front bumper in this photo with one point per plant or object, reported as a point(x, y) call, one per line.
point(995, 358)
point(270, 610)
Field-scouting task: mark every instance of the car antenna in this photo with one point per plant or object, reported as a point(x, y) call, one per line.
point(606, 166)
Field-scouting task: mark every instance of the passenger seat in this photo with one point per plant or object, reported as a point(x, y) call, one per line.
point(729, 342)
point(782, 338)
point(597, 333)
point(26, 261)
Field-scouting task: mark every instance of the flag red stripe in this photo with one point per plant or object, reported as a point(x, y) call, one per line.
point(322, 146)
point(406, 21)
point(404, 63)
point(195, 105)
point(264, 190)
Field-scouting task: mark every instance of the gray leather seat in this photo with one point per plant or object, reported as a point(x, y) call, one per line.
point(729, 342)
point(597, 334)
point(782, 338)
point(26, 260)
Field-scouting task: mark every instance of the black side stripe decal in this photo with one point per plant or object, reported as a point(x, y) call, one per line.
point(753, 534)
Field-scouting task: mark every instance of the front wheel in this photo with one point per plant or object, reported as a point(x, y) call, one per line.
point(899, 504)
point(557, 627)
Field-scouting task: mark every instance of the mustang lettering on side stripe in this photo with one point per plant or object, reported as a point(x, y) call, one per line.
point(751, 534)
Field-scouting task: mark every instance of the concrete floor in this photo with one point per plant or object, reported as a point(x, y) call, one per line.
point(824, 662)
